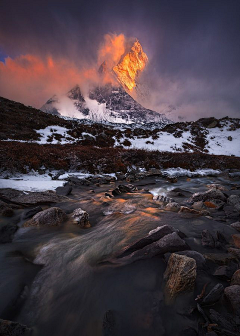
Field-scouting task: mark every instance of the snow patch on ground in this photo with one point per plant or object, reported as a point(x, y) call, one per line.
point(50, 130)
point(31, 182)
point(219, 144)
point(166, 142)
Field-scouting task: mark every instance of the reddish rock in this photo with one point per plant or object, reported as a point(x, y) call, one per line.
point(236, 278)
point(236, 239)
point(180, 275)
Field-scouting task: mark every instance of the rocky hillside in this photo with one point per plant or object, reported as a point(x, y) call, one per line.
point(209, 135)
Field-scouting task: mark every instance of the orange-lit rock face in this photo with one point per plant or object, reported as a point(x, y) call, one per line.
point(130, 65)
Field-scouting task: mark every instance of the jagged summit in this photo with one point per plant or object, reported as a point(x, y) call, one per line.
point(109, 102)
point(130, 65)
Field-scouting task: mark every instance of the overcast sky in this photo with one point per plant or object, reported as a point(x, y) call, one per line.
point(193, 49)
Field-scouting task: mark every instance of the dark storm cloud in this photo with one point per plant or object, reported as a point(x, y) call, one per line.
point(193, 46)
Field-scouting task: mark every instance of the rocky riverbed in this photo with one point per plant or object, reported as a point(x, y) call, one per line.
point(150, 256)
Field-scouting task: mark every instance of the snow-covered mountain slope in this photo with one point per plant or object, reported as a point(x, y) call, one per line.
point(104, 103)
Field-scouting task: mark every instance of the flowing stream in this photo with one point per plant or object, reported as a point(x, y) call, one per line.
point(54, 279)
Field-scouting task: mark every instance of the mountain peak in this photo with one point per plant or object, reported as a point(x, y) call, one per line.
point(128, 68)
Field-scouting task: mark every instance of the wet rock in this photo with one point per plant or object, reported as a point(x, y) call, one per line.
point(7, 232)
point(236, 278)
point(232, 293)
point(214, 204)
point(173, 206)
point(10, 328)
point(81, 218)
point(49, 217)
point(109, 323)
point(64, 191)
point(214, 295)
point(236, 226)
point(180, 275)
point(233, 200)
point(153, 236)
point(38, 197)
point(188, 210)
point(212, 194)
point(108, 195)
point(225, 272)
point(198, 205)
point(31, 212)
point(231, 212)
point(236, 240)
point(207, 239)
point(169, 243)
point(163, 199)
point(198, 257)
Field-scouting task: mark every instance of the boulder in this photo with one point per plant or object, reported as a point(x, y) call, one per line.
point(232, 294)
point(10, 328)
point(173, 206)
point(153, 236)
point(38, 198)
point(31, 212)
point(236, 278)
point(214, 295)
point(180, 275)
point(236, 239)
point(188, 210)
point(169, 243)
point(49, 217)
point(198, 205)
point(236, 226)
point(212, 194)
point(81, 218)
point(207, 239)
point(214, 204)
point(129, 188)
point(64, 191)
point(233, 200)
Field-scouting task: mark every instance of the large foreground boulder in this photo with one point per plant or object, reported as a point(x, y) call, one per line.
point(153, 236)
point(81, 218)
point(169, 243)
point(49, 217)
point(180, 275)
